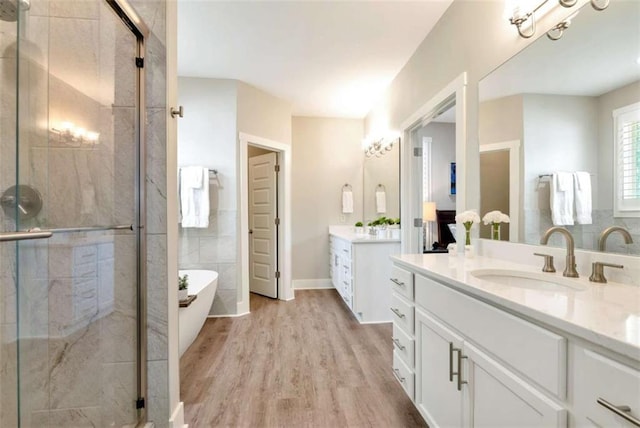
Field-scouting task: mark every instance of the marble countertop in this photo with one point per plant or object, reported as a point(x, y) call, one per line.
point(348, 234)
point(605, 314)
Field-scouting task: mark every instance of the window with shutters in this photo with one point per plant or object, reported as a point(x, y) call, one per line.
point(627, 161)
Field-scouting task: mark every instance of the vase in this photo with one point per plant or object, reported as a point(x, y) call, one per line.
point(183, 294)
point(495, 231)
point(467, 236)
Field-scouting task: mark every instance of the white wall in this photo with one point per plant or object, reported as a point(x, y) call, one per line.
point(216, 110)
point(327, 153)
point(263, 115)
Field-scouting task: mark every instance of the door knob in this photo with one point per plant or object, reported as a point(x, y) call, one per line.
point(250, 231)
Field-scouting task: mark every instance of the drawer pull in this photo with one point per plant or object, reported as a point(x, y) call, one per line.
point(397, 312)
point(622, 411)
point(398, 344)
point(397, 282)
point(459, 372)
point(396, 372)
point(451, 373)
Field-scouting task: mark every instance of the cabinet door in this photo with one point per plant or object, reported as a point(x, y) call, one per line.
point(498, 398)
point(437, 395)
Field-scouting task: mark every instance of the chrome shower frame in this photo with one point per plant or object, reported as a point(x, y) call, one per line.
point(133, 21)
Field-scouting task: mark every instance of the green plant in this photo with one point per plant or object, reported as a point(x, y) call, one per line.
point(359, 224)
point(183, 282)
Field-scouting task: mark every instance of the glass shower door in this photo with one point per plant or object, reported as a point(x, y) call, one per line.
point(69, 179)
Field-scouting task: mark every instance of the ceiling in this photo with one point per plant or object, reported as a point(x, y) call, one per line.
point(329, 59)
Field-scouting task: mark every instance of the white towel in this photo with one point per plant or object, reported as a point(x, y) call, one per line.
point(561, 198)
point(347, 201)
point(192, 176)
point(582, 192)
point(194, 201)
point(381, 202)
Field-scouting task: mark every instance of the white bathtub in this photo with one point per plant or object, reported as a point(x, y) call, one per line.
point(191, 319)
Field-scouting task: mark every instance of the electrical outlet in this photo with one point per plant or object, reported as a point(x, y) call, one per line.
point(343, 218)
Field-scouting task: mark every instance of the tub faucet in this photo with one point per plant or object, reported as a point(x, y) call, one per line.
point(570, 268)
point(602, 241)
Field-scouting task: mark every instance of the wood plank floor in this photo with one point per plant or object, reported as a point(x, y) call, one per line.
point(306, 362)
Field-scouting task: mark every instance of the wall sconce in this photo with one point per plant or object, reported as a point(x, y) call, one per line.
point(378, 147)
point(68, 134)
point(520, 15)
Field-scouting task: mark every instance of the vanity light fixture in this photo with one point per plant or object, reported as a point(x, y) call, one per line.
point(379, 146)
point(522, 14)
point(68, 134)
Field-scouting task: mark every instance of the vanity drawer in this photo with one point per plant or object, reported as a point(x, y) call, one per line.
point(403, 345)
point(596, 377)
point(534, 351)
point(403, 374)
point(402, 313)
point(402, 282)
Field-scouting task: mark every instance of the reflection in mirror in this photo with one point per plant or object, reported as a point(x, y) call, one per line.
point(381, 185)
point(438, 138)
point(560, 100)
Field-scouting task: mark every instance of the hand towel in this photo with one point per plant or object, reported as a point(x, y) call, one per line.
point(582, 196)
point(192, 176)
point(194, 200)
point(347, 201)
point(381, 202)
point(561, 198)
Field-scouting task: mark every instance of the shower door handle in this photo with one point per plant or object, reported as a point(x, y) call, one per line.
point(21, 236)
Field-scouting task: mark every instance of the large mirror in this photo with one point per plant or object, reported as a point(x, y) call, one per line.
point(381, 184)
point(555, 104)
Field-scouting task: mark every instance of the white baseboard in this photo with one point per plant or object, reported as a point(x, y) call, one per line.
point(177, 418)
point(312, 284)
point(228, 316)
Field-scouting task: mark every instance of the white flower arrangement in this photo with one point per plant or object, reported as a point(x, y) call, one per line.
point(468, 218)
point(495, 217)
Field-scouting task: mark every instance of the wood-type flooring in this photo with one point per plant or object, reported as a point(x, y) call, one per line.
point(303, 363)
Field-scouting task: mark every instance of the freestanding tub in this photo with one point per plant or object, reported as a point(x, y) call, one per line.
point(191, 319)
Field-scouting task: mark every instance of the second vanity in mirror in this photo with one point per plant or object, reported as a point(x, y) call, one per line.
point(557, 103)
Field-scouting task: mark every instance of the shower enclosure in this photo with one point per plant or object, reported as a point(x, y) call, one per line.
point(72, 242)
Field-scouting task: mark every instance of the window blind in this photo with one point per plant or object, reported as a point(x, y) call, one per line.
point(627, 183)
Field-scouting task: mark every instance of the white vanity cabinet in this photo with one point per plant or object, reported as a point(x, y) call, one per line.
point(492, 355)
point(457, 383)
point(607, 392)
point(403, 312)
point(360, 271)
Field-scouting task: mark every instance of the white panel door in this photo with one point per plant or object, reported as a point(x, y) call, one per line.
point(262, 225)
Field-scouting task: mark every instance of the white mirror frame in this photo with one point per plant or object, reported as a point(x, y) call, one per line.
point(513, 147)
point(411, 169)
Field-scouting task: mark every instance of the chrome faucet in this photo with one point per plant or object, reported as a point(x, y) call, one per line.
point(602, 241)
point(570, 268)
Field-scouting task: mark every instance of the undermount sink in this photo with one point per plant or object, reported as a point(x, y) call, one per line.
point(526, 279)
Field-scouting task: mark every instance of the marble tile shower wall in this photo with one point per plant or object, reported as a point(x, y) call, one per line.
point(214, 248)
point(586, 236)
point(79, 340)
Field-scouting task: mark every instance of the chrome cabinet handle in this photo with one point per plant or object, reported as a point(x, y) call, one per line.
point(460, 381)
point(622, 411)
point(397, 312)
point(459, 372)
point(397, 282)
point(21, 236)
point(398, 344)
point(396, 372)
